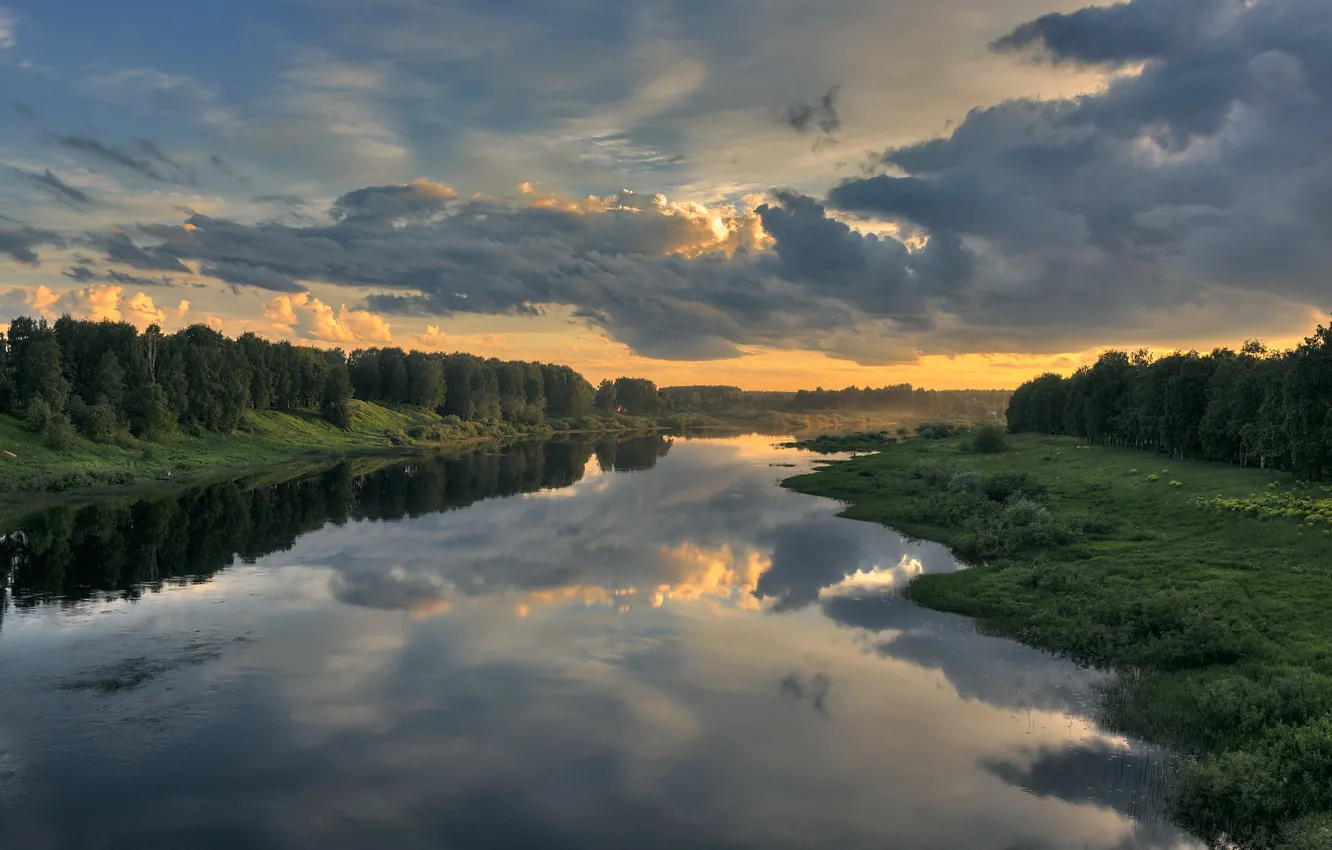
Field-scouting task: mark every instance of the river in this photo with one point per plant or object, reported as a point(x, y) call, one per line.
point(632, 643)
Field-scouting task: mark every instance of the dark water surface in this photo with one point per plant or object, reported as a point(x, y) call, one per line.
point(626, 644)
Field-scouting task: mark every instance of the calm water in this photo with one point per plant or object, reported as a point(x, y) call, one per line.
point(630, 644)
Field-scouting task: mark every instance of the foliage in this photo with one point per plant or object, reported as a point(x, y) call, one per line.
point(1313, 509)
point(1218, 619)
point(838, 443)
point(37, 415)
point(1249, 407)
point(939, 430)
point(988, 439)
point(58, 433)
point(335, 405)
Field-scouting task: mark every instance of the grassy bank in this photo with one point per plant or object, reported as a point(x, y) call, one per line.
point(33, 475)
point(1208, 586)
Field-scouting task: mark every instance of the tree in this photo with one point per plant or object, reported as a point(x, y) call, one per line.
point(44, 378)
point(425, 380)
point(6, 376)
point(637, 396)
point(605, 400)
point(109, 380)
point(335, 406)
point(100, 422)
point(152, 418)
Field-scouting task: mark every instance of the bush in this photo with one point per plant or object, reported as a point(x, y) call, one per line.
point(59, 433)
point(1002, 486)
point(967, 481)
point(99, 422)
point(989, 439)
point(1276, 790)
point(38, 414)
point(937, 430)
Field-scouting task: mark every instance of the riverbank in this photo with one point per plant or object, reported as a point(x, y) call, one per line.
point(1219, 619)
point(34, 476)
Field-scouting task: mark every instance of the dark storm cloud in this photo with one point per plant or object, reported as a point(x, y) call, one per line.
point(115, 156)
point(57, 187)
point(820, 116)
point(243, 274)
point(1192, 182)
point(22, 109)
point(120, 249)
point(137, 280)
point(18, 243)
point(82, 274)
point(421, 198)
point(1201, 182)
point(1129, 32)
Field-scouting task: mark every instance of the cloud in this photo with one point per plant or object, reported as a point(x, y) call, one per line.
point(57, 187)
point(671, 280)
point(420, 198)
point(137, 280)
point(22, 109)
point(226, 170)
point(115, 156)
point(82, 274)
point(141, 311)
point(1198, 182)
point(820, 116)
point(285, 200)
point(1190, 191)
point(120, 248)
point(18, 243)
point(7, 27)
point(433, 339)
point(312, 319)
point(251, 275)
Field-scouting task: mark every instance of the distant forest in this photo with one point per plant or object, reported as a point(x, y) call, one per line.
point(898, 398)
point(104, 377)
point(101, 378)
point(1251, 407)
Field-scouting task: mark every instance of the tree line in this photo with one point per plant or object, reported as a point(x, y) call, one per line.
point(903, 398)
point(102, 377)
point(1253, 406)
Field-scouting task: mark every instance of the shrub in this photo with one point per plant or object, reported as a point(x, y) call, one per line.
point(989, 439)
point(967, 481)
point(1002, 486)
point(38, 414)
point(396, 437)
point(59, 433)
point(99, 422)
point(1152, 477)
point(936, 430)
point(1175, 484)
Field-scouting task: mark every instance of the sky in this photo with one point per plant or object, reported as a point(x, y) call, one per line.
point(769, 193)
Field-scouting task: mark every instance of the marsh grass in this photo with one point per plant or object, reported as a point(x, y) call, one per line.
point(1219, 619)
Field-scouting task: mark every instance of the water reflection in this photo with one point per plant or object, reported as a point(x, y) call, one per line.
point(686, 657)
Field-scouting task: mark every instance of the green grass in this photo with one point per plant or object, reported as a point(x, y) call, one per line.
point(843, 443)
point(37, 476)
point(1220, 619)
